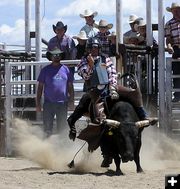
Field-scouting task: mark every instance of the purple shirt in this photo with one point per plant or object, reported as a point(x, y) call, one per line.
point(55, 80)
point(65, 44)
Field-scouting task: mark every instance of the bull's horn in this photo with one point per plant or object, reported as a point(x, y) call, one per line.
point(112, 123)
point(142, 123)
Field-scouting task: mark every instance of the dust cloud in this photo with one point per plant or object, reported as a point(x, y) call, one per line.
point(159, 151)
point(53, 153)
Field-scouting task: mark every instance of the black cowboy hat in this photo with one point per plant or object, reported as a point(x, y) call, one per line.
point(59, 25)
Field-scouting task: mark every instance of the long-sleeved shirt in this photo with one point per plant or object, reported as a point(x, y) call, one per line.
point(85, 71)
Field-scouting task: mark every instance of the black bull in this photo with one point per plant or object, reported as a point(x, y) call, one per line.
point(121, 133)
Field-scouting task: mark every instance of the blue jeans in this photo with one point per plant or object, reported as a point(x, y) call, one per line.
point(49, 111)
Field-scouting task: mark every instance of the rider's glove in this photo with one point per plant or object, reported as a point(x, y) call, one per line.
point(113, 93)
point(72, 133)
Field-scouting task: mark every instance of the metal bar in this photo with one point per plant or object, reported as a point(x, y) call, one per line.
point(168, 89)
point(44, 63)
point(162, 107)
point(38, 30)
point(27, 26)
point(8, 113)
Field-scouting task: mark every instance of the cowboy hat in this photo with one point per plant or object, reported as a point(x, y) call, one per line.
point(173, 6)
point(112, 34)
point(87, 13)
point(132, 18)
point(141, 23)
point(81, 35)
point(56, 51)
point(59, 25)
point(103, 24)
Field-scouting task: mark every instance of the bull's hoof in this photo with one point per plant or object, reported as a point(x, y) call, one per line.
point(106, 161)
point(110, 172)
point(140, 170)
point(119, 173)
point(105, 164)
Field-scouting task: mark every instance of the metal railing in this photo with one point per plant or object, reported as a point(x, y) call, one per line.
point(172, 111)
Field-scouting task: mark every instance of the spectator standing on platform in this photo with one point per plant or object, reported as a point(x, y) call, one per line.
point(56, 81)
point(112, 40)
point(89, 28)
point(102, 35)
point(81, 46)
point(64, 42)
point(141, 29)
point(133, 20)
point(172, 34)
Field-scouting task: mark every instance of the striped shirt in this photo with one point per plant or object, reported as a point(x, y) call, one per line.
point(85, 71)
point(172, 30)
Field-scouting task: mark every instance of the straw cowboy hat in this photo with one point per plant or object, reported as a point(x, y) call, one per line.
point(53, 51)
point(132, 18)
point(81, 35)
point(103, 24)
point(59, 25)
point(173, 6)
point(56, 51)
point(141, 23)
point(87, 13)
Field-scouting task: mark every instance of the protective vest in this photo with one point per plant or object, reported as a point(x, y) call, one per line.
point(99, 75)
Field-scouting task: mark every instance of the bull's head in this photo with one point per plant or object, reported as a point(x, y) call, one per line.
point(126, 136)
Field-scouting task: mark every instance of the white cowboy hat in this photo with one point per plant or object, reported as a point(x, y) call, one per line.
point(81, 35)
point(132, 18)
point(112, 34)
point(103, 24)
point(141, 23)
point(87, 13)
point(173, 6)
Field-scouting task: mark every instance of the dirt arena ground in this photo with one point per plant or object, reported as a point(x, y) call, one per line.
point(43, 163)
